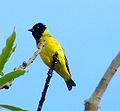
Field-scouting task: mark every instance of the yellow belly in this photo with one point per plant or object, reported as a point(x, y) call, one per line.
point(51, 47)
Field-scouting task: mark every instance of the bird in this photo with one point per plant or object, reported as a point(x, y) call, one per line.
point(40, 33)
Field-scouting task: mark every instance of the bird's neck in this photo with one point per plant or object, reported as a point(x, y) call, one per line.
point(43, 37)
point(45, 32)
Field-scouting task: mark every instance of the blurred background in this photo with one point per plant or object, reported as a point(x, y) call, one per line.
point(89, 31)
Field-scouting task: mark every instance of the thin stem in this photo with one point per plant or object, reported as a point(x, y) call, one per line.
point(50, 73)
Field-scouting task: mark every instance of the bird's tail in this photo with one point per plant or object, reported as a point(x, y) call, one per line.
point(70, 83)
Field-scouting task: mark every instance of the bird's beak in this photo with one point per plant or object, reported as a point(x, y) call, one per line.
point(31, 30)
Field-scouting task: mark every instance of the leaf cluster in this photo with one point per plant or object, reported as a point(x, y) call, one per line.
point(6, 79)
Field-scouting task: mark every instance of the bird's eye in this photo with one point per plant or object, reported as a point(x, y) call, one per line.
point(38, 27)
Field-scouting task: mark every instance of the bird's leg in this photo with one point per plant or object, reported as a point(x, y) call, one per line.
point(54, 61)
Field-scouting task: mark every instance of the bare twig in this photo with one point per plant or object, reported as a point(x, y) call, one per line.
point(93, 103)
point(25, 64)
point(50, 72)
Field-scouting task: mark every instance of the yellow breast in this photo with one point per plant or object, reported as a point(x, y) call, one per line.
point(51, 47)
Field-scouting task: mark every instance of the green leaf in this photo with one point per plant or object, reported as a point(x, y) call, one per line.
point(7, 51)
point(1, 73)
point(10, 76)
point(12, 108)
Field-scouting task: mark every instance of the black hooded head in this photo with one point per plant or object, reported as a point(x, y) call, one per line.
point(37, 30)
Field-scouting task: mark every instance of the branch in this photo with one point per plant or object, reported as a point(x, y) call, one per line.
point(93, 103)
point(50, 73)
point(26, 63)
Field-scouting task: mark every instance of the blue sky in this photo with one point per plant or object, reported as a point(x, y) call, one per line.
point(89, 31)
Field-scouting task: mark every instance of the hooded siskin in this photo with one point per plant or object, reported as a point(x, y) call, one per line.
point(40, 33)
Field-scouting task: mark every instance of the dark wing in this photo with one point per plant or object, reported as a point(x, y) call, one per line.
point(66, 62)
point(70, 83)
